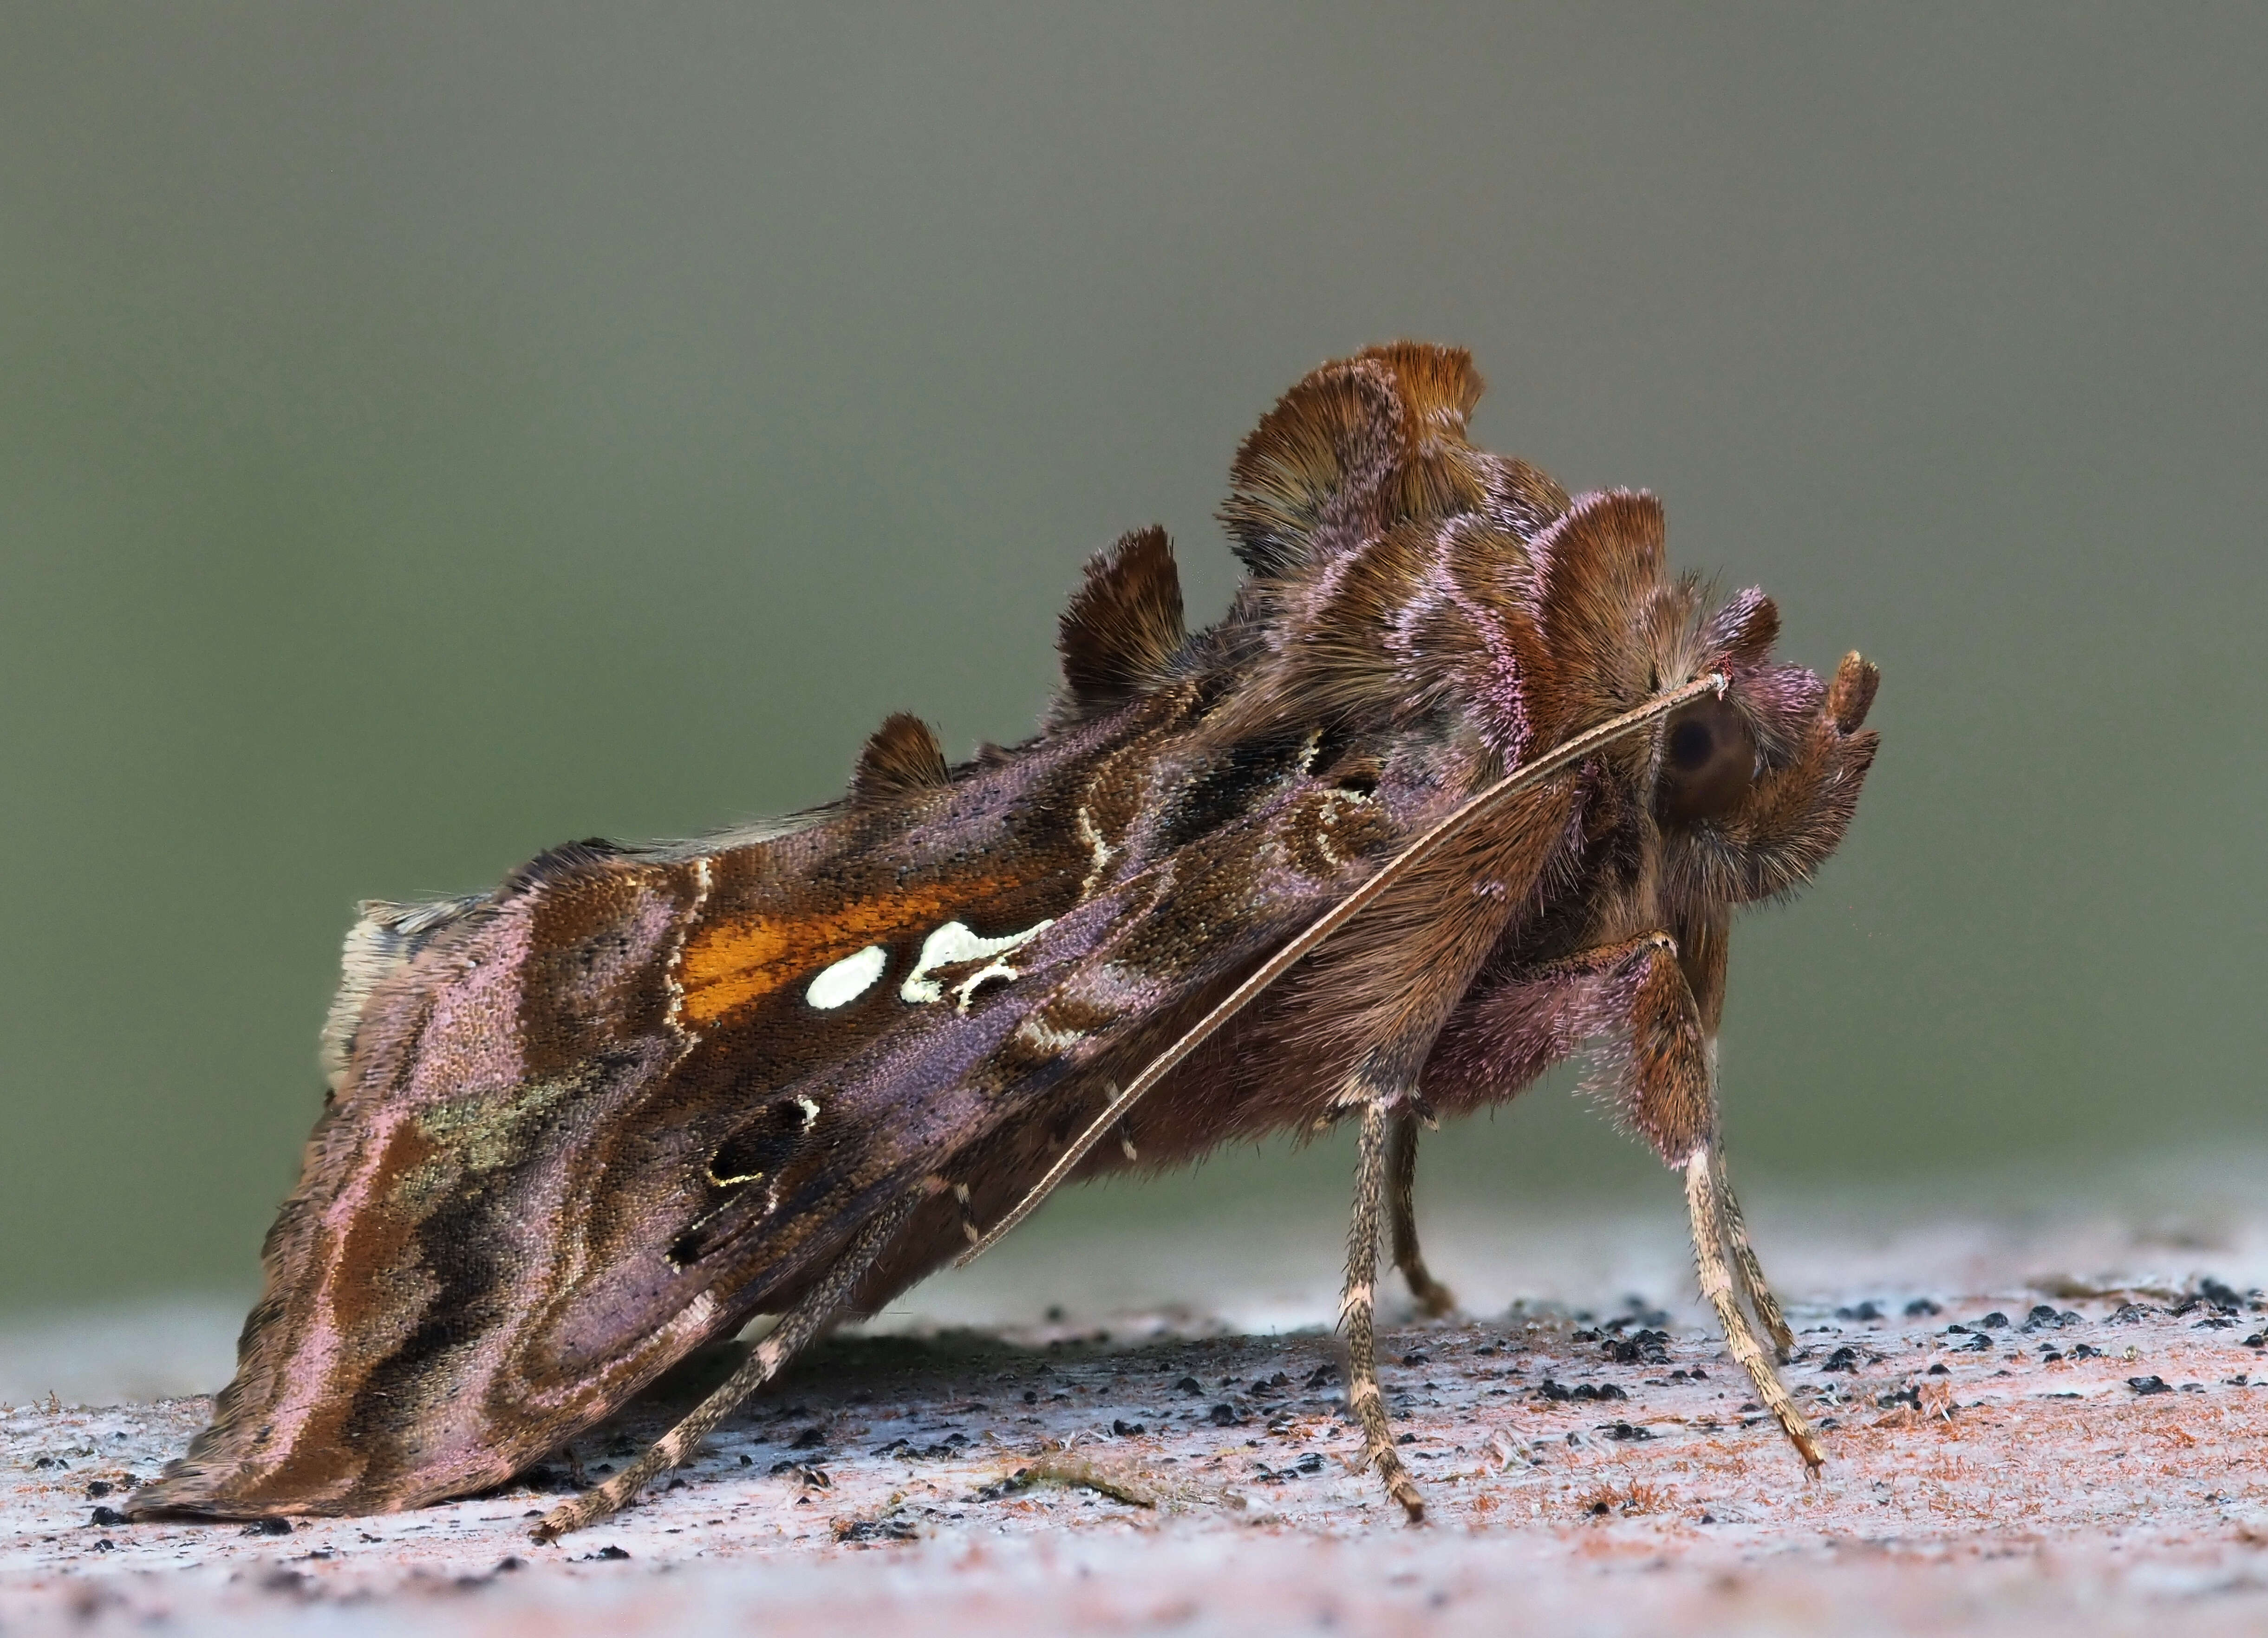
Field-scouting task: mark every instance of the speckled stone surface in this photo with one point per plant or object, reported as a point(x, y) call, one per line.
point(2055, 1457)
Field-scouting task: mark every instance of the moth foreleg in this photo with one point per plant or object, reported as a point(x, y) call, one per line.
point(1670, 1086)
point(796, 1328)
point(1433, 1298)
point(1705, 1201)
point(1358, 1309)
point(1635, 992)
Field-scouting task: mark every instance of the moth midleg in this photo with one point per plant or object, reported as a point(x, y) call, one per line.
point(1433, 1298)
point(796, 1329)
point(1357, 1313)
point(1751, 1273)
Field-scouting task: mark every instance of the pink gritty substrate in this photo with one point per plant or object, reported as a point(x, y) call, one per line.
point(2043, 1453)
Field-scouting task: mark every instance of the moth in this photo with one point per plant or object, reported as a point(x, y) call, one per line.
point(1465, 781)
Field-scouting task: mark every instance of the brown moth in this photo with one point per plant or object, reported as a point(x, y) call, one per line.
point(1465, 780)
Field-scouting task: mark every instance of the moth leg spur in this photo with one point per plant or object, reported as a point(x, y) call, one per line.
point(1358, 1313)
point(796, 1329)
point(1433, 1298)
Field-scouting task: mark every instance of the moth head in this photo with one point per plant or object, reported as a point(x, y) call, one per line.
point(1755, 786)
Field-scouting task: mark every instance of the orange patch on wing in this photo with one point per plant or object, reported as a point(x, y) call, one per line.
point(730, 964)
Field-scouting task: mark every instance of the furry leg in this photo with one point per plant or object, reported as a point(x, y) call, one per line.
point(1705, 1203)
point(1751, 1272)
point(1358, 1313)
point(1433, 1298)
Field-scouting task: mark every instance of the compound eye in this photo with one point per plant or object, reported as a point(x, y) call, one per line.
point(1708, 762)
point(1690, 746)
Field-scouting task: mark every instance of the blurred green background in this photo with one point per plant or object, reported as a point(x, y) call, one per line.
point(432, 432)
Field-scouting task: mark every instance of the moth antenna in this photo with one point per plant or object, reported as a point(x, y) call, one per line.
point(796, 1327)
point(1565, 754)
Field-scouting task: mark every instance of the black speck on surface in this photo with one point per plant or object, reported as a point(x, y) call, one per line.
point(1841, 1359)
point(1626, 1431)
point(2087, 1350)
point(2146, 1386)
point(1223, 1415)
point(2128, 1313)
point(1994, 1321)
point(608, 1552)
point(1938, 1369)
point(810, 1439)
point(1189, 1384)
point(1862, 1310)
point(1416, 1358)
point(97, 1487)
point(1128, 1430)
point(895, 1529)
point(1921, 1308)
point(107, 1518)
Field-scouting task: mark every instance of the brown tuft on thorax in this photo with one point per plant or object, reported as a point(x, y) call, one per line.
point(1123, 626)
point(903, 755)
